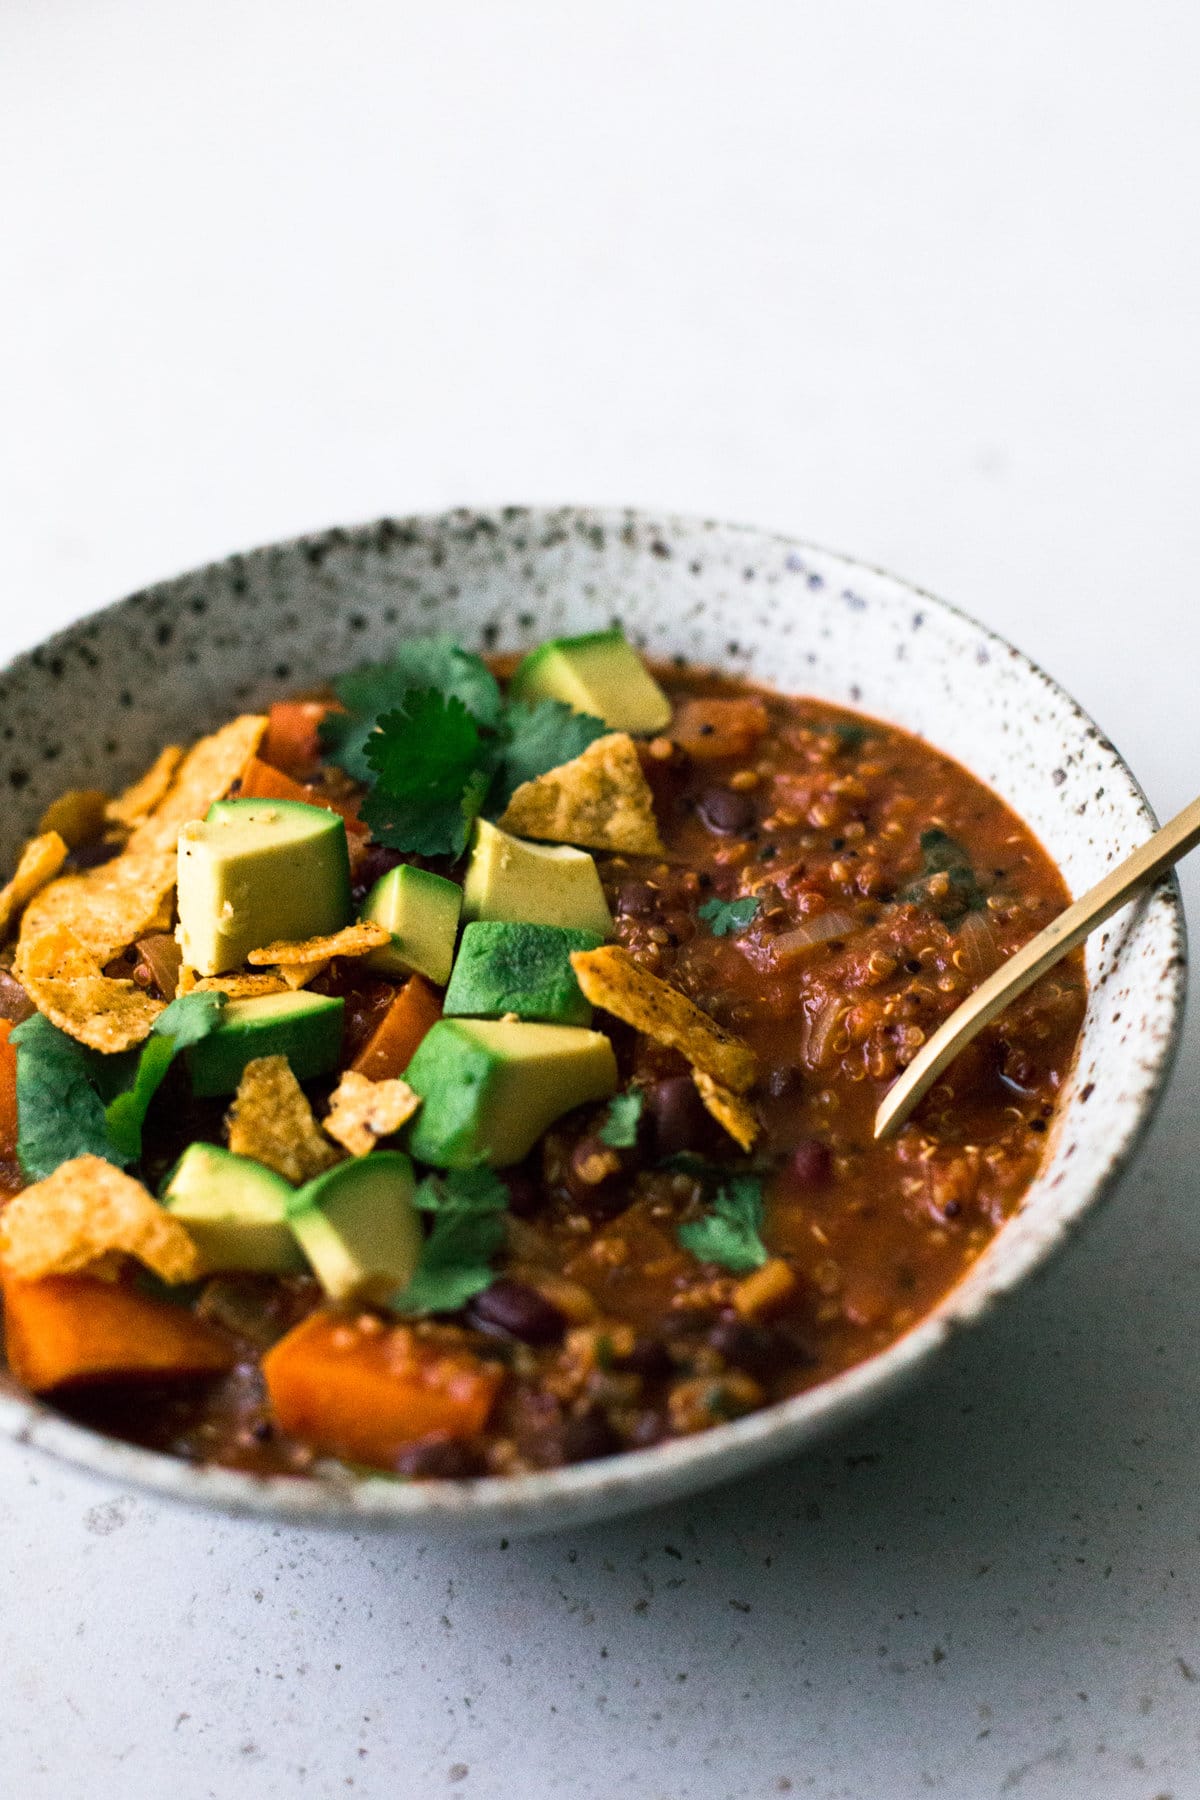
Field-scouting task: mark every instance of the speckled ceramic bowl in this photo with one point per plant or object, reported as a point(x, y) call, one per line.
point(95, 703)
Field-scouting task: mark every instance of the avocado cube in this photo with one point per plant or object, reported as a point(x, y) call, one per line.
point(421, 912)
point(235, 1210)
point(523, 969)
point(533, 884)
point(358, 1226)
point(304, 1027)
point(490, 1088)
point(255, 871)
point(600, 673)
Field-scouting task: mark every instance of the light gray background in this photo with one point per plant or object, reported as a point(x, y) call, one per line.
point(920, 281)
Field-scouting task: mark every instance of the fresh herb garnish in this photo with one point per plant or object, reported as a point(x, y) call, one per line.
point(432, 770)
point(62, 1087)
point(725, 916)
point(423, 662)
point(620, 1128)
point(536, 739)
point(729, 1234)
point(184, 1022)
point(468, 1207)
point(943, 855)
point(850, 737)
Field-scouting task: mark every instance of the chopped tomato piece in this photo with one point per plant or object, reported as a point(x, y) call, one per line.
point(293, 740)
point(364, 1390)
point(708, 729)
point(8, 1093)
point(68, 1329)
point(393, 1043)
point(261, 781)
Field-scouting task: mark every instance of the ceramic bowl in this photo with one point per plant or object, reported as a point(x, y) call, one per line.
point(95, 703)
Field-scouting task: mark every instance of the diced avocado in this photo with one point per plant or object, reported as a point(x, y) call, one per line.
point(600, 673)
point(255, 871)
point(523, 969)
point(235, 1210)
point(304, 1027)
point(358, 1226)
point(490, 1088)
point(533, 884)
point(421, 912)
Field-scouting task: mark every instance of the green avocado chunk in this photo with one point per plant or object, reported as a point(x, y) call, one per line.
point(533, 884)
point(255, 871)
point(304, 1027)
point(600, 673)
point(235, 1210)
point(358, 1226)
point(490, 1088)
point(421, 912)
point(523, 969)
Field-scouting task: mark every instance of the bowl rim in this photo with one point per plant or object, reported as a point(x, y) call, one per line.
point(339, 1500)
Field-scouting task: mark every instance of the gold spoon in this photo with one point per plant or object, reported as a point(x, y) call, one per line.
point(1028, 965)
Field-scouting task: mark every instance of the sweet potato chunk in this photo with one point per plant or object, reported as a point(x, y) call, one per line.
point(708, 729)
point(393, 1043)
point(364, 1391)
point(262, 781)
point(71, 1329)
point(293, 740)
point(8, 1093)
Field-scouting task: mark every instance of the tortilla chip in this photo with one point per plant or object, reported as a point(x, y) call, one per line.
point(57, 952)
point(39, 863)
point(601, 801)
point(353, 940)
point(298, 975)
point(108, 907)
point(105, 1015)
point(611, 979)
point(363, 1111)
point(83, 1213)
point(136, 804)
point(240, 986)
point(207, 773)
point(77, 816)
point(272, 1122)
point(730, 1110)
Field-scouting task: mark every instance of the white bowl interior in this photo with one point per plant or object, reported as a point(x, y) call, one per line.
point(94, 705)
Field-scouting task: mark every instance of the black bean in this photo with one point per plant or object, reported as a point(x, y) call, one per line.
point(810, 1164)
point(756, 1349)
point(648, 1357)
point(588, 1436)
point(784, 1079)
point(519, 1311)
point(638, 900)
point(377, 862)
point(439, 1458)
point(728, 813)
point(524, 1193)
point(677, 1115)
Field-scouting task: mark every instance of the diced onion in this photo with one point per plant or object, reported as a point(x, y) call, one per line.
point(977, 942)
point(821, 1028)
point(821, 928)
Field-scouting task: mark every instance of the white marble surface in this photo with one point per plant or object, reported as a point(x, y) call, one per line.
point(920, 281)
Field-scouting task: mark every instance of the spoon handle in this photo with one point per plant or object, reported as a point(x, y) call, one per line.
point(1030, 963)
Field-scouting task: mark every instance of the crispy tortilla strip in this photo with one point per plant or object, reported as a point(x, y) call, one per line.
point(77, 816)
point(136, 804)
point(298, 975)
point(83, 1213)
point(601, 801)
point(353, 940)
point(187, 981)
point(108, 907)
point(362, 1111)
point(39, 863)
point(611, 979)
point(57, 952)
point(730, 1110)
point(240, 986)
point(105, 1015)
point(272, 1121)
point(207, 773)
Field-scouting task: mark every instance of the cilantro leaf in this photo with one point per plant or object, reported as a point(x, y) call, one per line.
point(184, 1022)
point(60, 1113)
point(620, 1129)
point(729, 1234)
point(432, 770)
point(850, 736)
point(468, 1207)
point(536, 739)
point(943, 855)
point(724, 916)
point(423, 662)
